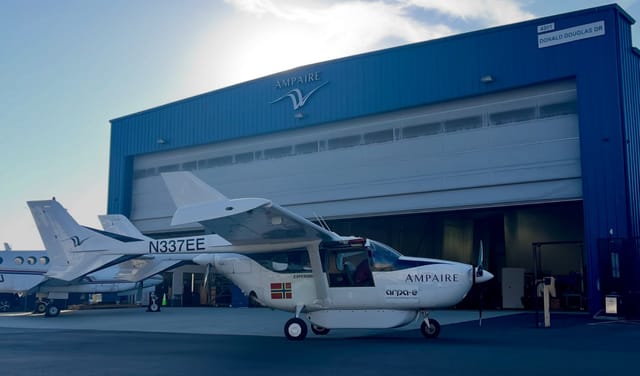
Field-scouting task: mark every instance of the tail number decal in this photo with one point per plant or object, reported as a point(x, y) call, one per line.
point(177, 245)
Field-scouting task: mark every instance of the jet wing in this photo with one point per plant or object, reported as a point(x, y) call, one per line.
point(143, 267)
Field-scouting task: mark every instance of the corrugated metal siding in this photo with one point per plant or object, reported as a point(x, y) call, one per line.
point(630, 78)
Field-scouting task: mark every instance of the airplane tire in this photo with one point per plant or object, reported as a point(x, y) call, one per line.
point(154, 307)
point(41, 307)
point(319, 330)
point(433, 331)
point(52, 310)
point(295, 329)
point(4, 305)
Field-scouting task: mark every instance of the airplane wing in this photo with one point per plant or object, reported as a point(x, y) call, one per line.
point(143, 267)
point(249, 224)
point(242, 222)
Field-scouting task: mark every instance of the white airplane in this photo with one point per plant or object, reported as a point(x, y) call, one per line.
point(52, 274)
point(26, 272)
point(287, 262)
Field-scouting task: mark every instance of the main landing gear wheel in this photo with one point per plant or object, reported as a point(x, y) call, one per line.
point(295, 329)
point(432, 331)
point(41, 307)
point(52, 310)
point(154, 307)
point(319, 330)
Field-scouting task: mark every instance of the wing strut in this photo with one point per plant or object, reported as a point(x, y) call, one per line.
point(318, 276)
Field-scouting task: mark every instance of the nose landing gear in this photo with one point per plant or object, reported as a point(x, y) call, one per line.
point(429, 328)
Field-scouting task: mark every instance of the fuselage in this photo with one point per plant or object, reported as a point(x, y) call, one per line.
point(363, 277)
point(25, 272)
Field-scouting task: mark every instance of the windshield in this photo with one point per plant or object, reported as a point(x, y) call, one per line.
point(383, 256)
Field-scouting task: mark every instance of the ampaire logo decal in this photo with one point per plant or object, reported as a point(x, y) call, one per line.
point(298, 98)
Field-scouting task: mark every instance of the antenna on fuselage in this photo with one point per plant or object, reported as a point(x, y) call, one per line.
point(7, 247)
point(322, 222)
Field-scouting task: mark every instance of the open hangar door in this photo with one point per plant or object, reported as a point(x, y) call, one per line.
point(507, 234)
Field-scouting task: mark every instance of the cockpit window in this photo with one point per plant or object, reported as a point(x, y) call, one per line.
point(384, 257)
point(284, 262)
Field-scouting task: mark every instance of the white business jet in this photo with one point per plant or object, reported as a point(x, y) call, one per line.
point(287, 262)
point(30, 272)
point(52, 274)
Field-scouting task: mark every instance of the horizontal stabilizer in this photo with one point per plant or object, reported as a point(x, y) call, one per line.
point(119, 224)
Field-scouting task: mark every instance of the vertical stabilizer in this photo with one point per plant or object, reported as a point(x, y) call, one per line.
point(64, 240)
point(186, 189)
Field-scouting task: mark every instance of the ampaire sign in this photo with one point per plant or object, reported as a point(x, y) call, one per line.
point(297, 96)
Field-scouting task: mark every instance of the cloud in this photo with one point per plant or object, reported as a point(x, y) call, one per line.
point(261, 37)
point(487, 12)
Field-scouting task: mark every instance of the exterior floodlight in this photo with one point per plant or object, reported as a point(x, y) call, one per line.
point(161, 141)
point(487, 79)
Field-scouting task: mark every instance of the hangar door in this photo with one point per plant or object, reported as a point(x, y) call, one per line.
point(511, 148)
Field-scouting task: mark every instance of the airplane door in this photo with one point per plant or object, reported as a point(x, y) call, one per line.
point(348, 268)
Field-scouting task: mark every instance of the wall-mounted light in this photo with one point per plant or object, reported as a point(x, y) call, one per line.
point(161, 141)
point(298, 115)
point(487, 79)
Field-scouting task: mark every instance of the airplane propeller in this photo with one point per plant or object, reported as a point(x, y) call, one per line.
point(478, 272)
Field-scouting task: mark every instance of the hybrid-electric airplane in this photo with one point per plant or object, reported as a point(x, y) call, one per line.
point(287, 262)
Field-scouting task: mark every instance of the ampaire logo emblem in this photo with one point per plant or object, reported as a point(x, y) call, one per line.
point(298, 99)
point(77, 242)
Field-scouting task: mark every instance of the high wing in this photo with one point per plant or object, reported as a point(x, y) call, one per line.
point(244, 221)
point(249, 224)
point(145, 266)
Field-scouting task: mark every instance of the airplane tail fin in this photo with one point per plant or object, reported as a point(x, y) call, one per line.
point(67, 242)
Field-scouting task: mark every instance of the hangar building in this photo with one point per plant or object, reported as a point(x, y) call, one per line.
point(524, 136)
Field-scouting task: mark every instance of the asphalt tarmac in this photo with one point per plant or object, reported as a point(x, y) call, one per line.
point(251, 342)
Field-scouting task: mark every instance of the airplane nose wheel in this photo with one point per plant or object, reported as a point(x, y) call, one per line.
point(295, 329)
point(430, 330)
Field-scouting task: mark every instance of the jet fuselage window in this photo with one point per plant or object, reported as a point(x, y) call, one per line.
point(44, 260)
point(31, 260)
point(19, 260)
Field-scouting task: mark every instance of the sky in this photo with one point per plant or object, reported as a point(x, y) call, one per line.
point(67, 67)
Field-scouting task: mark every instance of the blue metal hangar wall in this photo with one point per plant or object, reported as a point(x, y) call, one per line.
point(512, 135)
